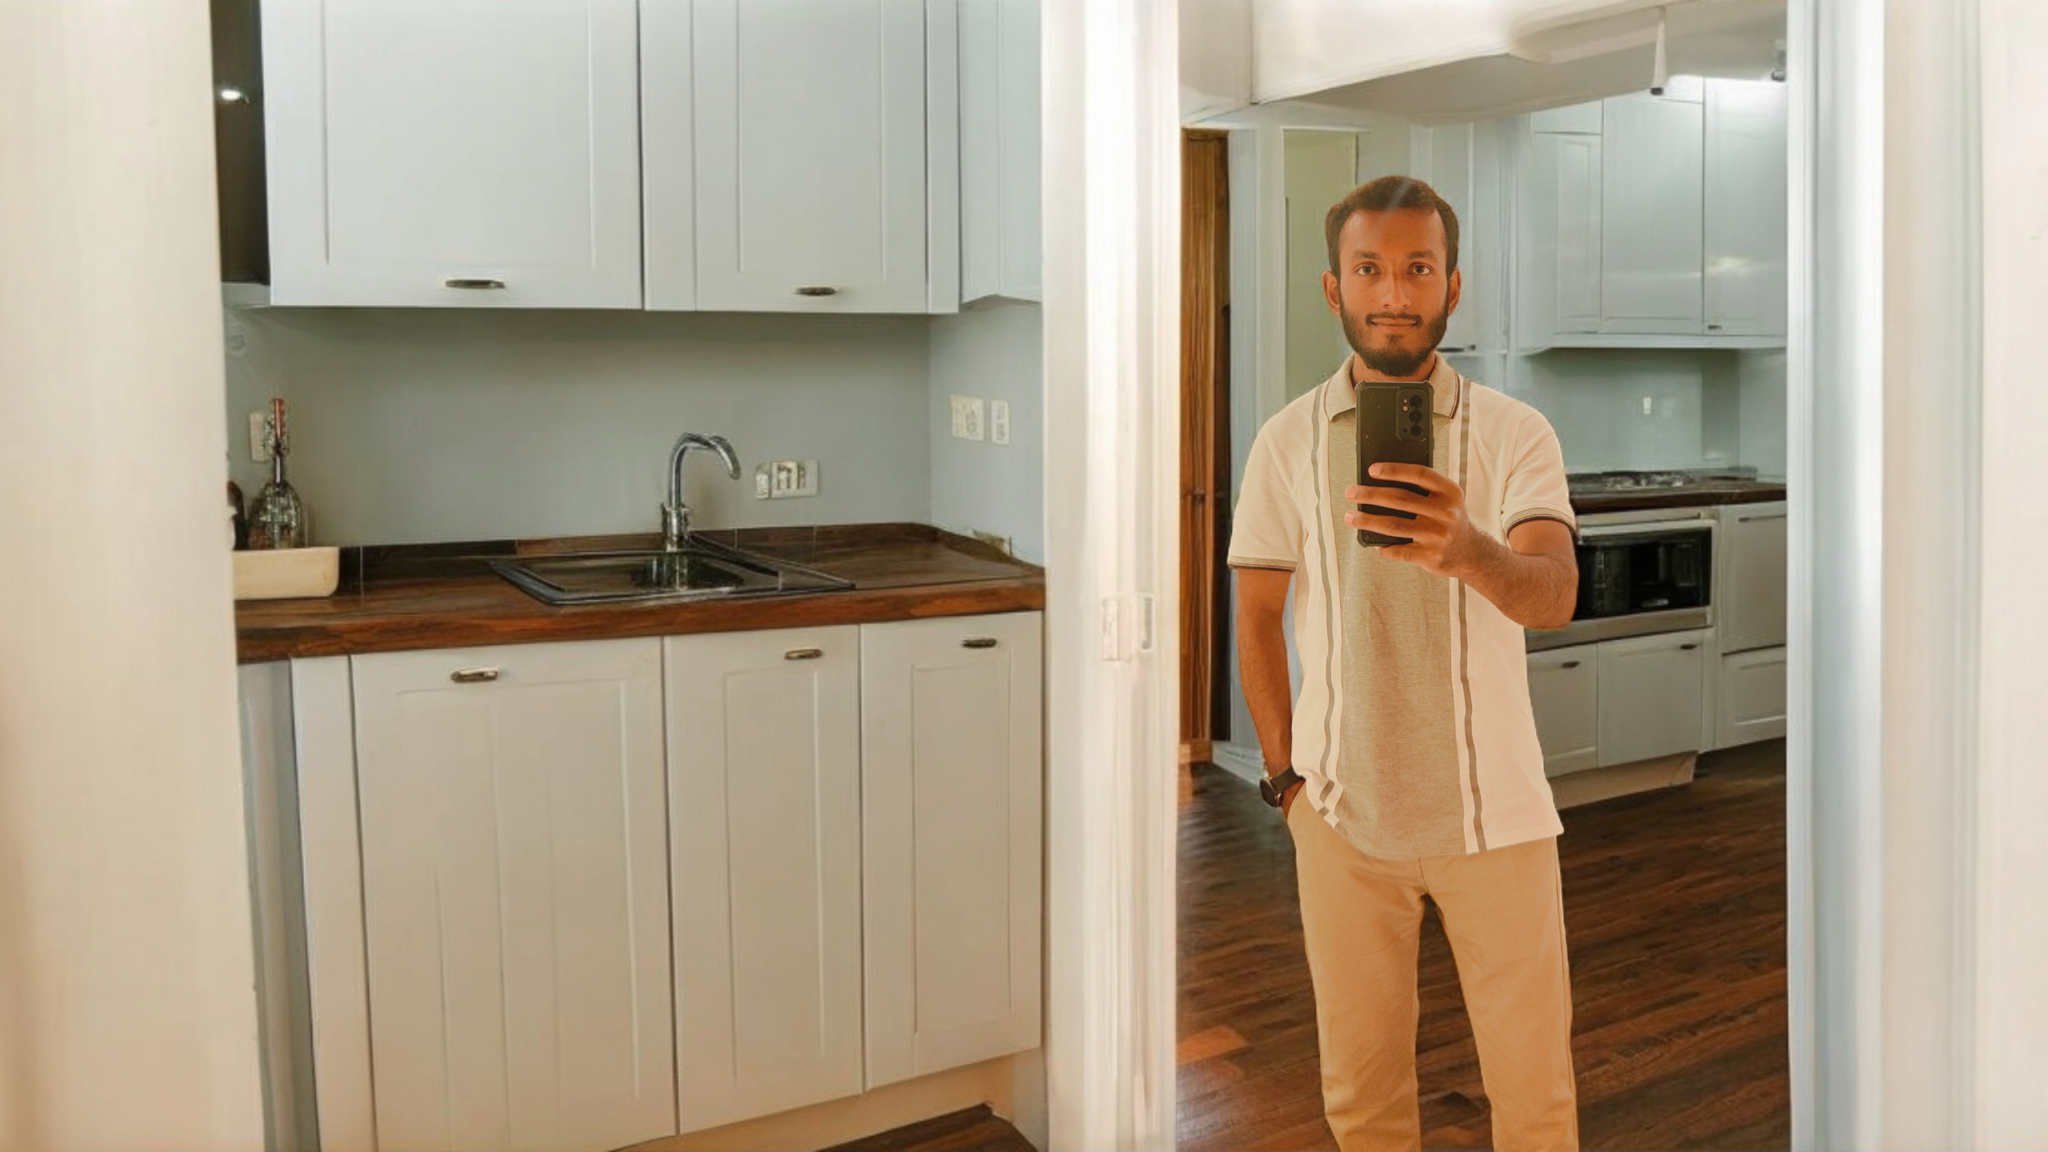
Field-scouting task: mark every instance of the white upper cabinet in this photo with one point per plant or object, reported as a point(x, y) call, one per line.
point(999, 150)
point(764, 804)
point(952, 803)
point(1746, 203)
point(1558, 288)
point(1461, 161)
point(453, 152)
point(809, 124)
point(1652, 258)
point(515, 891)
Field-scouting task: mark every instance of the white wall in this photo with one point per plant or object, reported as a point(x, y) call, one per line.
point(994, 350)
point(446, 424)
point(127, 1016)
point(1321, 169)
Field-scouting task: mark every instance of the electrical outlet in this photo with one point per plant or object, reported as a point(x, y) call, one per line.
point(787, 478)
point(968, 419)
point(259, 437)
point(999, 422)
point(764, 483)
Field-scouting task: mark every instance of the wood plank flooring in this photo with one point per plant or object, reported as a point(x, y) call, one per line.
point(969, 1130)
point(1675, 919)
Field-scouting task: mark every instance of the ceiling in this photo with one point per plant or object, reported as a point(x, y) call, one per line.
point(1580, 58)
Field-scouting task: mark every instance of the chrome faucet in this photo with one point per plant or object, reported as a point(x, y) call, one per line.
point(675, 515)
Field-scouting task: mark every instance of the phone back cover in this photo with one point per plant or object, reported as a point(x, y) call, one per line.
point(1379, 442)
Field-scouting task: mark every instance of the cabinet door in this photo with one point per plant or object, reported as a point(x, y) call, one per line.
point(1559, 209)
point(1651, 697)
point(764, 807)
point(515, 896)
point(1444, 159)
point(951, 805)
point(1564, 692)
point(999, 149)
point(453, 152)
point(1651, 246)
point(1752, 696)
point(810, 146)
point(1745, 208)
point(1749, 604)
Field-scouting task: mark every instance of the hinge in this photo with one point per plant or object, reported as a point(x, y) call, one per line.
point(1130, 626)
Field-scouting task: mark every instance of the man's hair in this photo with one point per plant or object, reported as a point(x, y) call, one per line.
point(1392, 194)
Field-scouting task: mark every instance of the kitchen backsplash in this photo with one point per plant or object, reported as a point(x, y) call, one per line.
point(467, 424)
point(993, 351)
point(1649, 409)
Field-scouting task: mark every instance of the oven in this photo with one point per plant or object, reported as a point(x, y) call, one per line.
point(1640, 573)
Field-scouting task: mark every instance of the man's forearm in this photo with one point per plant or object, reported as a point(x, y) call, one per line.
point(1262, 659)
point(1532, 589)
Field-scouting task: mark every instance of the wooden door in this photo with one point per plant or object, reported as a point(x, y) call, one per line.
point(952, 814)
point(764, 808)
point(453, 153)
point(515, 896)
point(810, 145)
point(1205, 440)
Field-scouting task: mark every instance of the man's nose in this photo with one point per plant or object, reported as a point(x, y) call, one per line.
point(1395, 294)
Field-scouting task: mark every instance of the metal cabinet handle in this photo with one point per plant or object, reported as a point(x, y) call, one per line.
point(1569, 664)
point(979, 642)
point(461, 282)
point(1687, 647)
point(1765, 516)
point(474, 675)
point(1713, 327)
point(817, 290)
point(803, 654)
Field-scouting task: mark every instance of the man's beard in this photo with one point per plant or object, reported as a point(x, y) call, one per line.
point(1393, 361)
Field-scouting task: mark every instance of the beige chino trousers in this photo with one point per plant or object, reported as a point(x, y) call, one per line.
point(1503, 911)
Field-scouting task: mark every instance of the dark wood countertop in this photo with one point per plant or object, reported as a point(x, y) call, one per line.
point(445, 596)
point(1706, 492)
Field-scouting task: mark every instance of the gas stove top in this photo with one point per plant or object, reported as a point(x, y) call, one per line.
point(1627, 481)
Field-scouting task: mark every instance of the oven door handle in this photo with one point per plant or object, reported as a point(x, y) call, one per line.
point(1647, 527)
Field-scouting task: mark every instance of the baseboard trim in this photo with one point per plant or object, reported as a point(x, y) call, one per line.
point(1599, 784)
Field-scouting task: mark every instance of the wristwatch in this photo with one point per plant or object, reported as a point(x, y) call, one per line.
point(1273, 786)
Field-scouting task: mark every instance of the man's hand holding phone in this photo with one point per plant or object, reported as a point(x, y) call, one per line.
point(1444, 541)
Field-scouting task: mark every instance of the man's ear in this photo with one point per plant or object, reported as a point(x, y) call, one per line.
point(1457, 289)
point(1330, 295)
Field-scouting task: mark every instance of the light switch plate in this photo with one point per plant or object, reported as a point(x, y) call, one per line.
point(999, 421)
point(259, 437)
point(969, 420)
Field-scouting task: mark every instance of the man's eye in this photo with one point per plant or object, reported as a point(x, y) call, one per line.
point(1366, 269)
point(1422, 270)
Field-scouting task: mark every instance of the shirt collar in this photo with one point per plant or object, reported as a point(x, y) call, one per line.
point(1444, 385)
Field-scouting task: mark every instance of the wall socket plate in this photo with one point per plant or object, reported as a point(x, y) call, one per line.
point(969, 422)
point(259, 437)
point(785, 479)
point(999, 421)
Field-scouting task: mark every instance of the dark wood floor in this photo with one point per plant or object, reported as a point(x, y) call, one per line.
point(1675, 916)
point(970, 1130)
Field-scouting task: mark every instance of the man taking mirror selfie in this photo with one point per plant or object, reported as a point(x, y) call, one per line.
point(1409, 766)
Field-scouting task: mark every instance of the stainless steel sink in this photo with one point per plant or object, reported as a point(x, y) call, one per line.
point(700, 570)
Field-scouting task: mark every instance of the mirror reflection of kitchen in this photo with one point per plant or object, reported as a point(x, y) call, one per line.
point(1619, 179)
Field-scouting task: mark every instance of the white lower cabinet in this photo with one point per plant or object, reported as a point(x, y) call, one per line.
point(951, 802)
point(1564, 692)
point(515, 904)
point(1651, 696)
point(1752, 696)
point(764, 805)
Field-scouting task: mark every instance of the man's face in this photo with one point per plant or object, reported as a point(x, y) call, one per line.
point(1390, 289)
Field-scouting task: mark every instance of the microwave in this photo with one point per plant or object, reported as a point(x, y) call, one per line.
point(1640, 574)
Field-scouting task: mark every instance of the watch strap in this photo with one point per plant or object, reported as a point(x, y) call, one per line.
point(1274, 788)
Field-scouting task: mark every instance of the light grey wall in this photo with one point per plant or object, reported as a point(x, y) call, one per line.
point(995, 351)
point(443, 424)
point(1762, 384)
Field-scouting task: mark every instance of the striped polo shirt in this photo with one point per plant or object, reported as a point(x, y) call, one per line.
point(1413, 728)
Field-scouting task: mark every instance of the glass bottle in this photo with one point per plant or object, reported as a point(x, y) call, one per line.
point(277, 518)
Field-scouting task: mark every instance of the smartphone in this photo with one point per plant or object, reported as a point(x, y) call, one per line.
point(1395, 426)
